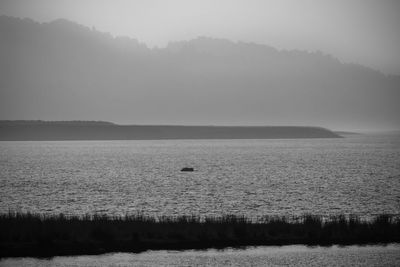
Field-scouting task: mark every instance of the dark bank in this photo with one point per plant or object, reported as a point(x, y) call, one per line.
point(99, 130)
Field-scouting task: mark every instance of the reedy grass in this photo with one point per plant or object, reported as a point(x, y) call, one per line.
point(27, 234)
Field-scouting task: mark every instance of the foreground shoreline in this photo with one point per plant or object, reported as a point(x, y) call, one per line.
point(38, 235)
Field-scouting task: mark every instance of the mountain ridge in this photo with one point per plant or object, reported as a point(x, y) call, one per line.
point(62, 70)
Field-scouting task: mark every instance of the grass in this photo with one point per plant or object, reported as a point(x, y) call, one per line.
point(38, 235)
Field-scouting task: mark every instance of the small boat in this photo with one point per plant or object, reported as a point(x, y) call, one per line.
point(186, 169)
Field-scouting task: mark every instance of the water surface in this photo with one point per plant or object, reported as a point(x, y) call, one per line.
point(359, 174)
point(253, 256)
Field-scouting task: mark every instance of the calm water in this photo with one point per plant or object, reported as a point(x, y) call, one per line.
point(258, 256)
point(358, 174)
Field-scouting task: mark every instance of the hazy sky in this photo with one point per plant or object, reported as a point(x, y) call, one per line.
point(360, 31)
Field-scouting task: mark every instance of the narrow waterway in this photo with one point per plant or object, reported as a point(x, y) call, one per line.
point(296, 255)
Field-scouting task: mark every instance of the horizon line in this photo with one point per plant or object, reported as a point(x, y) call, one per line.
point(111, 123)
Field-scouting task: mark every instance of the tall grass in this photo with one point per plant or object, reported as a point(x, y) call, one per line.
point(26, 234)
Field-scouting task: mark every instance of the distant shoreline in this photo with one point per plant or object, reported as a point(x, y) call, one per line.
point(36, 235)
point(99, 130)
point(342, 133)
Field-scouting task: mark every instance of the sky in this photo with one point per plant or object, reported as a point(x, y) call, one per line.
point(356, 31)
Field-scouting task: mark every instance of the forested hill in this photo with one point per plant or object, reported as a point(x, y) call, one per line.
point(62, 70)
